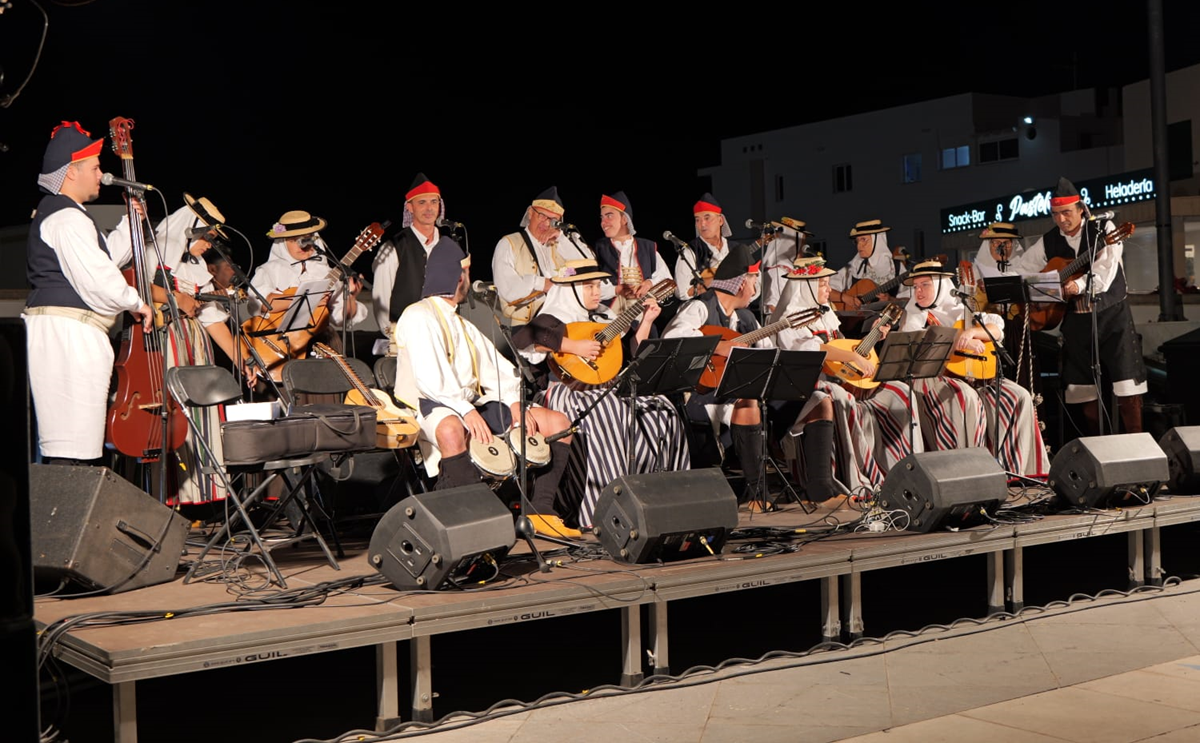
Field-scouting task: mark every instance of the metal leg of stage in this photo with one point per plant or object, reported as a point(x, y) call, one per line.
point(1137, 559)
point(387, 687)
point(852, 606)
point(125, 712)
point(995, 579)
point(631, 645)
point(1014, 576)
point(661, 660)
point(831, 627)
point(1154, 569)
point(420, 673)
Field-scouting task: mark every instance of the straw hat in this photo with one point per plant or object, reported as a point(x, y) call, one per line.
point(928, 268)
point(809, 267)
point(578, 271)
point(869, 227)
point(208, 214)
point(296, 223)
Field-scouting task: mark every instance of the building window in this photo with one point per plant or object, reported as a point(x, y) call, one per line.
point(956, 157)
point(1002, 149)
point(912, 168)
point(779, 188)
point(842, 179)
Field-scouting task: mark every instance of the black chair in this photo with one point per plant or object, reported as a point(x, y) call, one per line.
point(204, 386)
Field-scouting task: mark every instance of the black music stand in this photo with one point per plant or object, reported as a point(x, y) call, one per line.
point(1005, 290)
point(665, 366)
point(915, 354)
point(770, 374)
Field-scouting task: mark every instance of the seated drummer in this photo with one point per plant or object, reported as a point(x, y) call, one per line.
point(466, 389)
point(734, 286)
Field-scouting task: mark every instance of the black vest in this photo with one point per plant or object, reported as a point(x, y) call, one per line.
point(645, 251)
point(716, 316)
point(48, 285)
point(1056, 246)
point(410, 273)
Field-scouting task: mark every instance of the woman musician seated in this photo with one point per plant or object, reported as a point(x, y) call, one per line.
point(850, 431)
point(959, 409)
point(600, 452)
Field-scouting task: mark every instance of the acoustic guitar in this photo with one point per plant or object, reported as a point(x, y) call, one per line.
point(394, 428)
point(710, 378)
point(1048, 315)
point(576, 371)
point(867, 291)
point(851, 375)
point(965, 364)
point(276, 346)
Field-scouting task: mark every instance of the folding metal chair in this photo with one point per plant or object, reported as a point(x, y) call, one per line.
point(205, 386)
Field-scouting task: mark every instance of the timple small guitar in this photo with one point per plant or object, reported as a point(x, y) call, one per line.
point(394, 428)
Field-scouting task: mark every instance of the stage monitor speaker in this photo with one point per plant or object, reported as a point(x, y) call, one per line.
point(665, 516)
point(1121, 469)
point(1182, 447)
point(94, 527)
point(430, 539)
point(945, 489)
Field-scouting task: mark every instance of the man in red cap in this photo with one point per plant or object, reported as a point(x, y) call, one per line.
point(1120, 346)
point(400, 262)
point(77, 294)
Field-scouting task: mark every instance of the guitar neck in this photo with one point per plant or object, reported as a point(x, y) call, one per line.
point(624, 321)
point(868, 342)
point(884, 288)
point(352, 377)
point(766, 331)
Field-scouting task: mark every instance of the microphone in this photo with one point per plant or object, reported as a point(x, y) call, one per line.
point(961, 294)
point(109, 179)
point(482, 290)
point(564, 227)
point(562, 434)
point(762, 226)
point(668, 235)
point(1102, 215)
point(446, 224)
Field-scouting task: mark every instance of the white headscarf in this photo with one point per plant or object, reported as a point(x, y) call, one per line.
point(985, 264)
point(803, 296)
point(947, 308)
point(879, 265)
point(563, 302)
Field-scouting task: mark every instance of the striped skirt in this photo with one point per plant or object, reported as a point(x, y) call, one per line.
point(600, 450)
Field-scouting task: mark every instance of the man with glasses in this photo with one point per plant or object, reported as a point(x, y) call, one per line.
point(524, 262)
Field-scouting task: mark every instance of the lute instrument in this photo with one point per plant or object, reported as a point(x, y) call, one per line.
point(394, 428)
point(849, 374)
point(965, 364)
point(575, 370)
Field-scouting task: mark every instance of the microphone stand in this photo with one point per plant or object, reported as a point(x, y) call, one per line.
point(697, 278)
point(1093, 247)
point(524, 527)
point(583, 250)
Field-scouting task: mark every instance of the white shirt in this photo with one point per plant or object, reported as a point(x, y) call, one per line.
point(419, 333)
point(512, 285)
point(1104, 267)
point(91, 272)
point(282, 271)
point(687, 261)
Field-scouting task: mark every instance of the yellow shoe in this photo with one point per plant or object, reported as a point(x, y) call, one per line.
point(552, 526)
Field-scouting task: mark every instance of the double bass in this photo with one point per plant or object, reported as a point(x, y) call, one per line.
point(143, 420)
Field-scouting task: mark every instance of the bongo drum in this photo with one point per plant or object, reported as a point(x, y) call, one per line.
point(537, 451)
point(495, 460)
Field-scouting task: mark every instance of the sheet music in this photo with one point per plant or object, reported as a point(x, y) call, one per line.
point(308, 294)
point(1044, 287)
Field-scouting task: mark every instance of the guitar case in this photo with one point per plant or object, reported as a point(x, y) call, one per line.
point(308, 429)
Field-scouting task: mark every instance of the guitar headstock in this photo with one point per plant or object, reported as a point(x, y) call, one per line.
point(118, 131)
point(801, 318)
point(1119, 233)
point(663, 290)
point(966, 274)
point(890, 314)
point(369, 237)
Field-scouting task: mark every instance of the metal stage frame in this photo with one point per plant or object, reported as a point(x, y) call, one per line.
point(381, 616)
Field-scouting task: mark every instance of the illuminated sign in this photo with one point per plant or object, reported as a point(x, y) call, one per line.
point(1099, 193)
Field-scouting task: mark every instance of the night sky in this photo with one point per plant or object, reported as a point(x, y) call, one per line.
point(265, 107)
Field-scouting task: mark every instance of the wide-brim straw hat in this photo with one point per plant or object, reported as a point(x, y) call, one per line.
point(869, 227)
point(578, 271)
point(1002, 230)
point(209, 214)
point(809, 267)
point(927, 268)
point(793, 224)
point(296, 223)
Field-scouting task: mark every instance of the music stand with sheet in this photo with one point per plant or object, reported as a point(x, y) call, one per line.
point(665, 366)
point(299, 315)
point(1005, 290)
point(915, 354)
point(770, 374)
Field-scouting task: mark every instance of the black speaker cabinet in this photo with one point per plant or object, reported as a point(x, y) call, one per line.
point(941, 489)
point(1121, 469)
point(428, 539)
point(665, 516)
point(1182, 447)
point(94, 527)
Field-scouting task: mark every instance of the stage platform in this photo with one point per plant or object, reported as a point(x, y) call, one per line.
point(221, 625)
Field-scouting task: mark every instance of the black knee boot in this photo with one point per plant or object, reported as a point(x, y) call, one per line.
point(546, 480)
point(747, 441)
point(456, 471)
point(818, 461)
